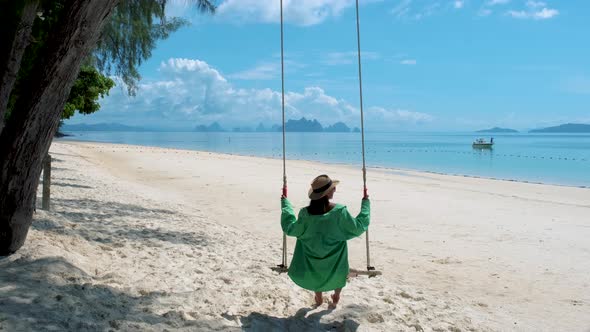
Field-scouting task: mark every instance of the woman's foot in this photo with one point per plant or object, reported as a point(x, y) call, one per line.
point(335, 299)
point(319, 299)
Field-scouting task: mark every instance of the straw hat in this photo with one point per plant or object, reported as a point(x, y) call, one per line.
point(320, 186)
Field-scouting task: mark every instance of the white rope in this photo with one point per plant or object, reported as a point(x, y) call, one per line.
point(284, 264)
point(358, 39)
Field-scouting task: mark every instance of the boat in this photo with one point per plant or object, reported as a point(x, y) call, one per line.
point(481, 143)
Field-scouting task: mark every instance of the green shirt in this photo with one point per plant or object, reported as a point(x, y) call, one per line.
point(320, 261)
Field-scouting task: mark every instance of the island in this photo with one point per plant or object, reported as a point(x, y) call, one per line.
point(214, 127)
point(497, 130)
point(338, 127)
point(565, 128)
point(303, 125)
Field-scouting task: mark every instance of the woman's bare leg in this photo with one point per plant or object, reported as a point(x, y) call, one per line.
point(318, 299)
point(335, 298)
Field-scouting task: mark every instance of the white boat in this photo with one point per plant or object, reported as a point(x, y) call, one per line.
point(481, 143)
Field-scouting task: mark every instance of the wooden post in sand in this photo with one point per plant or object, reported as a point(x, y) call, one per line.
point(46, 182)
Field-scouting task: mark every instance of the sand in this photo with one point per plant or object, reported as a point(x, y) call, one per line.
point(152, 239)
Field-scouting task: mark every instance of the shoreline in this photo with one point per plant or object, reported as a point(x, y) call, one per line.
point(383, 168)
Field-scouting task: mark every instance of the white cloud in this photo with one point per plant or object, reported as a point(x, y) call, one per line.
point(264, 71)
point(345, 58)
point(429, 10)
point(536, 10)
point(191, 92)
point(268, 70)
point(300, 12)
point(518, 14)
point(535, 4)
point(408, 62)
point(484, 12)
point(420, 9)
point(416, 10)
point(497, 2)
point(542, 14)
point(397, 116)
point(545, 13)
point(402, 9)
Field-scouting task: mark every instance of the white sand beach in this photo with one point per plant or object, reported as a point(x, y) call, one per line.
point(153, 239)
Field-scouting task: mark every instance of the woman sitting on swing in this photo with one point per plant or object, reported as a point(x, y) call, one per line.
point(320, 261)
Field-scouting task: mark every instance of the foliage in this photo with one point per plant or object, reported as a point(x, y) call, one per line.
point(127, 40)
point(89, 86)
point(132, 34)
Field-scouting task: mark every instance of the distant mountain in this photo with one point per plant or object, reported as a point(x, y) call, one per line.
point(565, 128)
point(214, 127)
point(100, 127)
point(356, 130)
point(497, 130)
point(338, 127)
point(303, 125)
point(261, 128)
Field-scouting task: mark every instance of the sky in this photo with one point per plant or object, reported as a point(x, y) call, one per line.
point(439, 65)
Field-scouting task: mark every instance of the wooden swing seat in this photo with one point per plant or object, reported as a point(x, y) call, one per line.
point(371, 272)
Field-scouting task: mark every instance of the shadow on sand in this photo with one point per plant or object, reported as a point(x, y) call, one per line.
point(33, 296)
point(51, 294)
point(110, 222)
point(298, 322)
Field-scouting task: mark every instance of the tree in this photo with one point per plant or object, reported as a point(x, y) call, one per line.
point(73, 30)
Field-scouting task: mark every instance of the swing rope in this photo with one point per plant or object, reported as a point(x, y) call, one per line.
point(358, 43)
point(284, 262)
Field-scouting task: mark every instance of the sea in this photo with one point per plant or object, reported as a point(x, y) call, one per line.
point(560, 159)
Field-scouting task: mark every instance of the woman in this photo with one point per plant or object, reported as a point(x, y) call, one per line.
point(320, 261)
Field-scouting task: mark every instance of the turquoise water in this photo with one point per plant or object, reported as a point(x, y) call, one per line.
point(546, 158)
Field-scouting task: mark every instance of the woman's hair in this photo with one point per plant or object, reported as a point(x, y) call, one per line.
point(319, 206)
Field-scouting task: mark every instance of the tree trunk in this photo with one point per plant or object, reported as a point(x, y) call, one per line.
point(28, 133)
point(20, 41)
